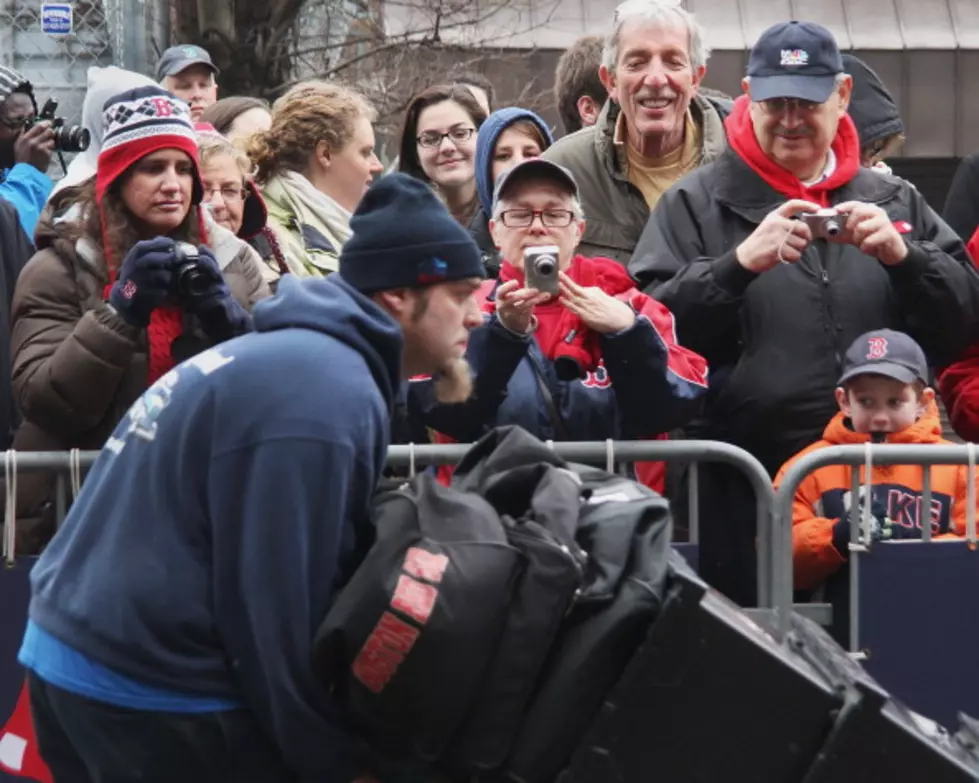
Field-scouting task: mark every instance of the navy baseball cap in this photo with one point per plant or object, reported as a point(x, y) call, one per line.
point(885, 352)
point(535, 167)
point(179, 58)
point(794, 60)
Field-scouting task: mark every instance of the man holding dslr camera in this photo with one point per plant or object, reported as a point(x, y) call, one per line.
point(773, 301)
point(25, 152)
point(26, 147)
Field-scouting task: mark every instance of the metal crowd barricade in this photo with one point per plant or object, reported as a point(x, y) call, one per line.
point(608, 454)
point(67, 466)
point(910, 601)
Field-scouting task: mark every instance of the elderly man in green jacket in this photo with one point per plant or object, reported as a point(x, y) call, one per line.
point(655, 129)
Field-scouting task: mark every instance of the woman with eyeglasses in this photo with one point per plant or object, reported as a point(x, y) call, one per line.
point(569, 350)
point(313, 165)
point(438, 146)
point(233, 206)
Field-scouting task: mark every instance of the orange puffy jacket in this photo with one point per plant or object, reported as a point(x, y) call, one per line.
point(824, 496)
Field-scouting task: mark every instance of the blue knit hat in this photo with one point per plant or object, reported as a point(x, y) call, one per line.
point(404, 237)
point(489, 133)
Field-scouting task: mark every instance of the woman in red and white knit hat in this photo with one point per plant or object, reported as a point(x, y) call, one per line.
point(98, 314)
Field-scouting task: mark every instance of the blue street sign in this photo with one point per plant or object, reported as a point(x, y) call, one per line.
point(56, 18)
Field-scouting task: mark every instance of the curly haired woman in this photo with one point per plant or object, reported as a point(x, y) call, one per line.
point(314, 165)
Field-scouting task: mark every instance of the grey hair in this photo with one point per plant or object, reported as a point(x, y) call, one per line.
point(579, 213)
point(665, 13)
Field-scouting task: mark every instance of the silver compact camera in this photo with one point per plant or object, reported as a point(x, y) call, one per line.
point(824, 224)
point(540, 265)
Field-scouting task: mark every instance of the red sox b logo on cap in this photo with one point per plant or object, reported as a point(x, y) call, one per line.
point(876, 347)
point(164, 108)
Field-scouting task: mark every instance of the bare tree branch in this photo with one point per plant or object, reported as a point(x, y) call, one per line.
point(388, 48)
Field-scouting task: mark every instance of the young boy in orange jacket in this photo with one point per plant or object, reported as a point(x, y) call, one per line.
point(884, 389)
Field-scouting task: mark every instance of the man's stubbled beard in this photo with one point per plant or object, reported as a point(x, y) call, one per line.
point(454, 383)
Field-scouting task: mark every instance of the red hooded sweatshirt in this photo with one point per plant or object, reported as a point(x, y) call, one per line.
point(846, 147)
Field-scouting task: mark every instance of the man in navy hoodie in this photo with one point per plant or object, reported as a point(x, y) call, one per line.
point(172, 615)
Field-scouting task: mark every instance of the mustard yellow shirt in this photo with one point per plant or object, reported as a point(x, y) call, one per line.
point(653, 176)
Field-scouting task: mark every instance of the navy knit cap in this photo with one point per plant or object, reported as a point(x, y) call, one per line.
point(489, 133)
point(404, 237)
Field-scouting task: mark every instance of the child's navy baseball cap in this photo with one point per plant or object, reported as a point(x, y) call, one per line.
point(885, 352)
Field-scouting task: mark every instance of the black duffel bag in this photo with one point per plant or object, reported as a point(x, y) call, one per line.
point(452, 594)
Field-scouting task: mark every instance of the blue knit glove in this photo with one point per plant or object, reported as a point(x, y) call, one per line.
point(145, 280)
point(211, 301)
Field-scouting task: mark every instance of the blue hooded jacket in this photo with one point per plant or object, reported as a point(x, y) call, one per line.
point(208, 540)
point(27, 189)
point(489, 134)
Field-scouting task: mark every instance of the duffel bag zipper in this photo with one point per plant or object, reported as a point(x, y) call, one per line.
point(578, 558)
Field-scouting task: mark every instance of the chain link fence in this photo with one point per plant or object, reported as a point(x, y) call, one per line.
point(56, 66)
point(127, 33)
point(140, 31)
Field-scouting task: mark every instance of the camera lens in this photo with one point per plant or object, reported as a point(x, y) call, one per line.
point(545, 265)
point(833, 228)
point(74, 138)
point(190, 280)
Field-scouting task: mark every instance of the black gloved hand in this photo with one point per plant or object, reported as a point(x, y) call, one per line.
point(217, 310)
point(895, 532)
point(879, 525)
point(145, 280)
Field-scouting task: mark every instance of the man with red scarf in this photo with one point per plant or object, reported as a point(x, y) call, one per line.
point(772, 306)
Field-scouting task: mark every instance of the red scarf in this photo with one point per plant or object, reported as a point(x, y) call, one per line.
point(846, 147)
point(166, 325)
point(559, 331)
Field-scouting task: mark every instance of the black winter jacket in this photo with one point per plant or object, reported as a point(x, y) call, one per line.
point(962, 203)
point(479, 231)
point(775, 341)
point(872, 107)
point(17, 251)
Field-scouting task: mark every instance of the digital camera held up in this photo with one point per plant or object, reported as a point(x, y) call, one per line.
point(191, 281)
point(67, 138)
point(541, 265)
point(824, 224)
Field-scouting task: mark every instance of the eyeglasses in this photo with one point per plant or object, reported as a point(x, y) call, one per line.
point(434, 138)
point(524, 218)
point(782, 105)
point(230, 194)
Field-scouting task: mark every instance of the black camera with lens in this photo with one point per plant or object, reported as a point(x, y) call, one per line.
point(67, 138)
point(191, 280)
